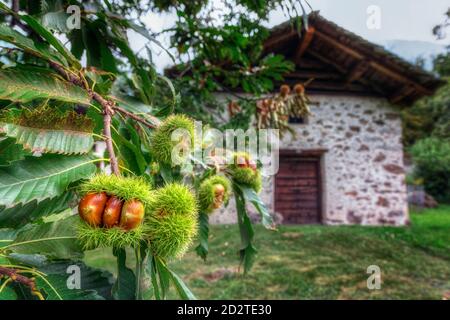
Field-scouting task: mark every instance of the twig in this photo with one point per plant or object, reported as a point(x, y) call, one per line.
point(16, 277)
point(153, 125)
point(107, 112)
point(15, 19)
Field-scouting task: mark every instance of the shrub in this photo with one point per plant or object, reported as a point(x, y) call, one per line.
point(432, 159)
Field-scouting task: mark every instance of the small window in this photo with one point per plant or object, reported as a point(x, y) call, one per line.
point(297, 120)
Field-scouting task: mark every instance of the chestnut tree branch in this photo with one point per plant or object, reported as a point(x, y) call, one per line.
point(108, 111)
point(16, 277)
point(137, 118)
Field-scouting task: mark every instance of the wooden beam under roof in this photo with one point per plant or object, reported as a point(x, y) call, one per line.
point(344, 72)
point(380, 68)
point(304, 43)
point(271, 43)
point(357, 71)
point(401, 94)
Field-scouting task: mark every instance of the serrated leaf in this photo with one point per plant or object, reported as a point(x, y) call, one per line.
point(20, 215)
point(7, 236)
point(94, 284)
point(10, 151)
point(51, 39)
point(56, 240)
point(39, 178)
point(25, 43)
point(22, 86)
point(59, 291)
point(51, 141)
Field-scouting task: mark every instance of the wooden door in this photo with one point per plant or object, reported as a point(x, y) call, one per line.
point(298, 189)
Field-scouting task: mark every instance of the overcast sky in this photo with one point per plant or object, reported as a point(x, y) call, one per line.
point(399, 20)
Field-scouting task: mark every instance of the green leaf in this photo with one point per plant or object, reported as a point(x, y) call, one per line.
point(10, 151)
point(125, 285)
point(20, 215)
point(250, 195)
point(130, 151)
point(248, 251)
point(25, 43)
point(165, 274)
point(51, 39)
point(172, 90)
point(95, 284)
point(166, 173)
point(54, 239)
point(133, 105)
point(7, 293)
point(56, 20)
point(202, 248)
point(183, 291)
point(22, 86)
point(7, 236)
point(163, 277)
point(39, 178)
point(76, 41)
point(151, 269)
point(51, 141)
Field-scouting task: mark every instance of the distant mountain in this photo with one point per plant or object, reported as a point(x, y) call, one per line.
point(413, 50)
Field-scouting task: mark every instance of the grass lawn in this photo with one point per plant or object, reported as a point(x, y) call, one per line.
point(323, 262)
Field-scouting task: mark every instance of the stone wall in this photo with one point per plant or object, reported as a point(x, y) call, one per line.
point(363, 176)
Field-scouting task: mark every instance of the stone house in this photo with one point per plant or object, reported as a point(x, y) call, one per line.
point(346, 164)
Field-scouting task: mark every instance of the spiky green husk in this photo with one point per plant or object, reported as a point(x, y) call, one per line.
point(171, 220)
point(173, 199)
point(125, 188)
point(245, 176)
point(49, 118)
point(206, 194)
point(161, 141)
point(93, 237)
point(170, 236)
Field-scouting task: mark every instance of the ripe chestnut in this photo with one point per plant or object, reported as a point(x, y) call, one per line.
point(113, 209)
point(132, 214)
point(91, 208)
point(285, 90)
point(219, 194)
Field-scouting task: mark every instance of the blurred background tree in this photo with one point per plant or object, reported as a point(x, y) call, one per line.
point(214, 46)
point(426, 129)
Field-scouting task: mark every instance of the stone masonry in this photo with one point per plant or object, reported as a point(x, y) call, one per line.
point(363, 179)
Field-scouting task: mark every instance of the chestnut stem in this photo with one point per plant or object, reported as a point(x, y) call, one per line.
point(138, 272)
point(108, 109)
point(16, 277)
point(109, 145)
point(137, 118)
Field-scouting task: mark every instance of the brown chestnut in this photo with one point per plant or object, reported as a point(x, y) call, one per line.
point(219, 193)
point(91, 208)
point(132, 214)
point(113, 209)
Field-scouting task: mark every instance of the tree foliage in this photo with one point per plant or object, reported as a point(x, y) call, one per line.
point(426, 129)
point(57, 98)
